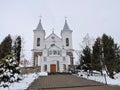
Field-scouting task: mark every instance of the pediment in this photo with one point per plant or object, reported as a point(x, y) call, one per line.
point(53, 37)
point(54, 47)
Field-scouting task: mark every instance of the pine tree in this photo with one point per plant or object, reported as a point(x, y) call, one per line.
point(109, 54)
point(17, 48)
point(9, 70)
point(96, 55)
point(5, 47)
point(86, 58)
point(9, 62)
point(106, 54)
point(117, 57)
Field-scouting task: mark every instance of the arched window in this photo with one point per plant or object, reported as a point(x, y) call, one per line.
point(54, 52)
point(38, 41)
point(64, 67)
point(45, 67)
point(67, 41)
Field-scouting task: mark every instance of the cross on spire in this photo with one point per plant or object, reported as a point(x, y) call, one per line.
point(66, 27)
point(53, 30)
point(65, 18)
point(40, 16)
point(39, 27)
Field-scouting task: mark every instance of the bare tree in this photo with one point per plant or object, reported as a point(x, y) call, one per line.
point(78, 53)
point(87, 41)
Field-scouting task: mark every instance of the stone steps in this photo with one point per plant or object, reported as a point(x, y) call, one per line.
point(61, 81)
point(59, 73)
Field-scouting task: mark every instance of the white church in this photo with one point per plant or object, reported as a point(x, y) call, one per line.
point(52, 53)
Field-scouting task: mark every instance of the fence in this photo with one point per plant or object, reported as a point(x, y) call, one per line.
point(26, 70)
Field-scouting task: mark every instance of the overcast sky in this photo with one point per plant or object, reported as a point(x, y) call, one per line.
point(21, 17)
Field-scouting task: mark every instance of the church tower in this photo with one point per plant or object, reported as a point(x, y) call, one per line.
point(38, 43)
point(66, 35)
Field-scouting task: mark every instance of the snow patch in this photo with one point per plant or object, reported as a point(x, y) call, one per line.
point(27, 79)
point(101, 78)
point(43, 74)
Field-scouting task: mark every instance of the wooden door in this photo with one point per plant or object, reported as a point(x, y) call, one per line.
point(52, 68)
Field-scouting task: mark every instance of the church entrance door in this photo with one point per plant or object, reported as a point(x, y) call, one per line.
point(52, 68)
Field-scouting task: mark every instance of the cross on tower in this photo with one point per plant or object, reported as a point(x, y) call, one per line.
point(40, 16)
point(53, 30)
point(65, 18)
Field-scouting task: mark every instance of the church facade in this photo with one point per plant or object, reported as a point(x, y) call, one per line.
point(52, 53)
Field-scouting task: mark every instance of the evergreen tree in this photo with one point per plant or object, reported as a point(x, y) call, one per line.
point(86, 59)
point(117, 57)
point(106, 54)
point(96, 55)
point(17, 48)
point(9, 70)
point(9, 61)
point(109, 54)
point(5, 47)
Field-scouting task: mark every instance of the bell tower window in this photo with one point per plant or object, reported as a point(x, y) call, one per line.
point(67, 41)
point(38, 41)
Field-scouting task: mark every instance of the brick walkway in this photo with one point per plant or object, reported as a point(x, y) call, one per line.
point(67, 82)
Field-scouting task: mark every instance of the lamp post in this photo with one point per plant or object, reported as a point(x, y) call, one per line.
point(102, 60)
point(101, 55)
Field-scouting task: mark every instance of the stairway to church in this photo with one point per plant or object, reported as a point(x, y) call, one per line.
point(60, 81)
point(59, 73)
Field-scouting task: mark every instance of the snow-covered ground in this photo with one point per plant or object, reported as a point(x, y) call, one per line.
point(28, 78)
point(99, 78)
point(23, 84)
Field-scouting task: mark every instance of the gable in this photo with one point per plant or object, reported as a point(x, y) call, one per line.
point(53, 37)
point(54, 47)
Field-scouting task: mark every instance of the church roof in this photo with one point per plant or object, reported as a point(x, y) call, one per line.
point(39, 27)
point(66, 27)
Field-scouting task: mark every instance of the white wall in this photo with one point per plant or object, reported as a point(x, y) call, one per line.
point(39, 34)
point(45, 46)
point(67, 34)
point(57, 41)
point(53, 60)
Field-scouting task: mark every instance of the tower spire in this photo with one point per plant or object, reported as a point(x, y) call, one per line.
point(39, 27)
point(66, 27)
